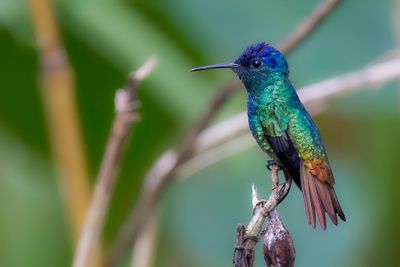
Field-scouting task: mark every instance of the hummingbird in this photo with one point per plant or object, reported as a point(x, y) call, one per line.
point(284, 129)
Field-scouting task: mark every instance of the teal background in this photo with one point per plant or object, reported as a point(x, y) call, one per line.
point(106, 39)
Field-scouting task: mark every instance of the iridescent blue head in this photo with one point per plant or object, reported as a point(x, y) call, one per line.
point(256, 64)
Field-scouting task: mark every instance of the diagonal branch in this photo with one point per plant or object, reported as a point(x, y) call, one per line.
point(301, 32)
point(244, 254)
point(308, 26)
point(160, 176)
point(143, 251)
point(126, 116)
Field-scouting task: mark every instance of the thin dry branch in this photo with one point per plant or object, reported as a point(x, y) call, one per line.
point(302, 31)
point(209, 157)
point(246, 241)
point(308, 26)
point(143, 252)
point(162, 172)
point(316, 97)
point(126, 116)
point(159, 177)
point(57, 84)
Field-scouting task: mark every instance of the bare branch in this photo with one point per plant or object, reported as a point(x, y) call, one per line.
point(159, 177)
point(126, 116)
point(145, 245)
point(302, 31)
point(246, 242)
point(211, 156)
point(308, 25)
point(369, 77)
point(212, 141)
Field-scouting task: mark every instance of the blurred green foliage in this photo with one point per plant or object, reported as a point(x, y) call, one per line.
point(106, 39)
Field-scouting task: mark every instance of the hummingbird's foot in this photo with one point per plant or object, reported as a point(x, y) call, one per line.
point(257, 203)
point(273, 162)
point(275, 186)
point(261, 202)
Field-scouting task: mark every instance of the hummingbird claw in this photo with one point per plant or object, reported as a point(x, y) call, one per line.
point(273, 162)
point(270, 163)
point(261, 202)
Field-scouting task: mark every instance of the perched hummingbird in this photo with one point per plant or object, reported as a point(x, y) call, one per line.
point(284, 130)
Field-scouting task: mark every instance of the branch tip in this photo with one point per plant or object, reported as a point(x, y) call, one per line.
point(124, 121)
point(254, 194)
point(145, 70)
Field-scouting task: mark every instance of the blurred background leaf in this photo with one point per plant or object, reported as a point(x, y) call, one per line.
point(106, 39)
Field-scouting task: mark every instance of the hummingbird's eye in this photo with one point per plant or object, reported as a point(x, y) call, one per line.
point(256, 63)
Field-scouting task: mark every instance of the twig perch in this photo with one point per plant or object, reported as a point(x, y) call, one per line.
point(248, 237)
point(126, 116)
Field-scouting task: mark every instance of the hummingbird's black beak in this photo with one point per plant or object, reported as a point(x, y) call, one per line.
point(218, 66)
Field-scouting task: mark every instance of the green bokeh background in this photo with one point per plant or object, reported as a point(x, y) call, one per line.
point(106, 39)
